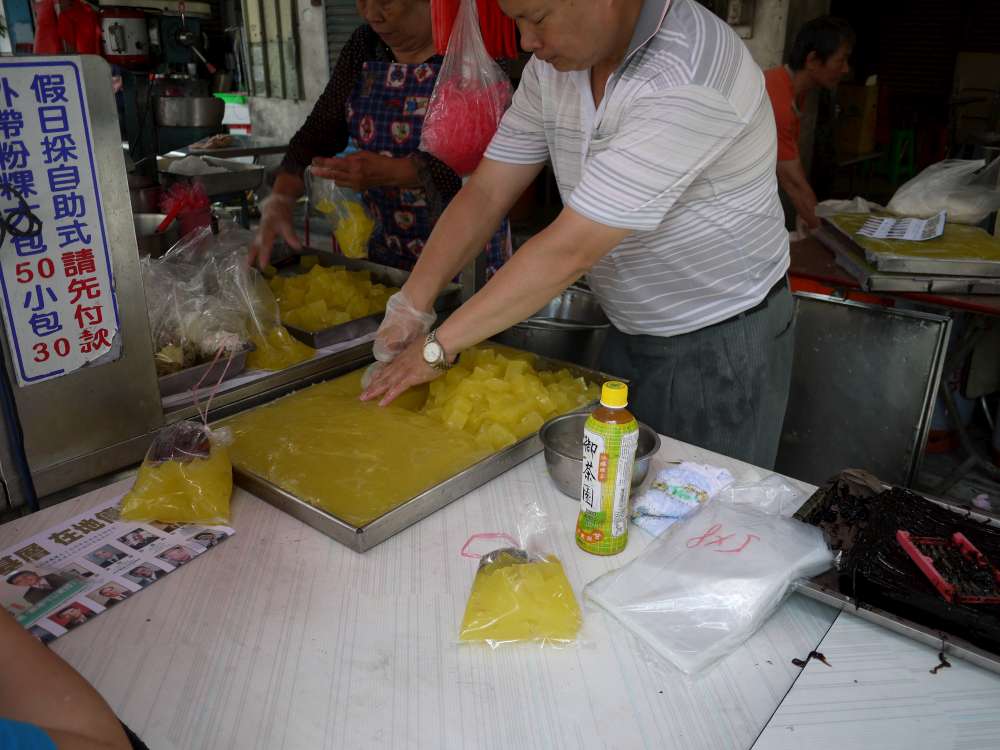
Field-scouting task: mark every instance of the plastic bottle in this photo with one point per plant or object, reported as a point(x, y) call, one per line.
point(610, 439)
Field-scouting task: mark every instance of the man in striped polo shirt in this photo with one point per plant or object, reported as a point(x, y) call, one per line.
point(662, 140)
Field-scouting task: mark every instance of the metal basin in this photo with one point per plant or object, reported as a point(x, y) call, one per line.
point(150, 243)
point(562, 438)
point(189, 111)
point(571, 328)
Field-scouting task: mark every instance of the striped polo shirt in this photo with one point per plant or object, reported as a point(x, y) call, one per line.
point(682, 151)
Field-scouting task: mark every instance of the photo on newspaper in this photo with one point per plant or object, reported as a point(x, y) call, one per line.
point(59, 579)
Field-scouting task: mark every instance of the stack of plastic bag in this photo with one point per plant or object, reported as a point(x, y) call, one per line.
point(707, 584)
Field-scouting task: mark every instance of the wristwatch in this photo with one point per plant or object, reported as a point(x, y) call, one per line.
point(434, 353)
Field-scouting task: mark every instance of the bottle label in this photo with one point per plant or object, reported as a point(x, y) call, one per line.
point(595, 469)
point(608, 454)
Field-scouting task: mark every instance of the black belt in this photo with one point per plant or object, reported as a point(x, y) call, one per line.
point(780, 286)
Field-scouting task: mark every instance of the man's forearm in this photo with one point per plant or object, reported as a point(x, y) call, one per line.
point(802, 197)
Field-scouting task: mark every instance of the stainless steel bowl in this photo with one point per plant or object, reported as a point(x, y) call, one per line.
point(150, 243)
point(563, 441)
point(571, 328)
point(189, 111)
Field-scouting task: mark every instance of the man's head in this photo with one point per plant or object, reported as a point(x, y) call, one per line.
point(823, 50)
point(574, 34)
point(23, 578)
point(110, 590)
point(104, 554)
point(143, 571)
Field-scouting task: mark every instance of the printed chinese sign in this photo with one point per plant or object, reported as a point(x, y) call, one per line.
point(63, 577)
point(59, 306)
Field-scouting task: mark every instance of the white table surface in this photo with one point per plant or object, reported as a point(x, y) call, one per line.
point(282, 638)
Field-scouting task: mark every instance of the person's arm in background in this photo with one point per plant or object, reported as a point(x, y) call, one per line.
point(39, 688)
point(792, 179)
point(324, 133)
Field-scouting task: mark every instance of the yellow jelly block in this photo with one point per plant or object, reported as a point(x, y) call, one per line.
point(309, 261)
point(513, 600)
point(195, 491)
point(277, 350)
point(353, 230)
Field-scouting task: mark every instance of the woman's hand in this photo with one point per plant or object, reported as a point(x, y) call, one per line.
point(364, 169)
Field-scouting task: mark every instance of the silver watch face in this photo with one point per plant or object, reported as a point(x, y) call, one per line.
point(433, 353)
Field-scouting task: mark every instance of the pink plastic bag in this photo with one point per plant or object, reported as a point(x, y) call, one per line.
point(470, 97)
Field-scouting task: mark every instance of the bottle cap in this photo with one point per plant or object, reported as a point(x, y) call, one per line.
point(614, 394)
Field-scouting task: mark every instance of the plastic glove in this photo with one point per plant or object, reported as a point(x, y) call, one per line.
point(275, 221)
point(403, 324)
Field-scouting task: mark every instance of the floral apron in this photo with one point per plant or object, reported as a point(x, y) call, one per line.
point(386, 116)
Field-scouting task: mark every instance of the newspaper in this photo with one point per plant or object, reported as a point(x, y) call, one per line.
point(59, 579)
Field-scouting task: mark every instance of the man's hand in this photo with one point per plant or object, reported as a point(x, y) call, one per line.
point(364, 169)
point(275, 221)
point(393, 378)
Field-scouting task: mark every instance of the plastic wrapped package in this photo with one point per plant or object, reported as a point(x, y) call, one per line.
point(963, 188)
point(470, 97)
point(186, 477)
point(203, 299)
point(773, 494)
point(346, 212)
point(706, 585)
point(520, 592)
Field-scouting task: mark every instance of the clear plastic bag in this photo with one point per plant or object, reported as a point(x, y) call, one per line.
point(204, 300)
point(186, 477)
point(520, 592)
point(962, 188)
point(707, 584)
point(470, 96)
point(346, 212)
point(773, 495)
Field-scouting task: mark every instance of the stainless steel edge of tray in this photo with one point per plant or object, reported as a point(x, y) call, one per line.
point(448, 299)
point(944, 642)
point(419, 507)
point(214, 372)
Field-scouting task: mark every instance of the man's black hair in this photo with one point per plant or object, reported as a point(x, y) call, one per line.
point(824, 36)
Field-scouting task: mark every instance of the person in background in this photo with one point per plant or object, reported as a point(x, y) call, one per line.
point(660, 132)
point(45, 704)
point(376, 99)
point(819, 59)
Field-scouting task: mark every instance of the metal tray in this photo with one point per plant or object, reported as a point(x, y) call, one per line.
point(238, 177)
point(824, 588)
point(449, 299)
point(362, 538)
point(178, 382)
point(851, 259)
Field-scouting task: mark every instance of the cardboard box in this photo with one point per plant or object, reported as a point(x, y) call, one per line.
point(858, 116)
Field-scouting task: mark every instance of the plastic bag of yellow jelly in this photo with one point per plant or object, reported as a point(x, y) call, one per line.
point(516, 598)
point(354, 228)
point(520, 593)
point(276, 350)
point(186, 477)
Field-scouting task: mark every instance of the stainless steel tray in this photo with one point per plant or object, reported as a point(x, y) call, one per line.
point(449, 299)
point(871, 279)
point(238, 177)
point(208, 374)
point(823, 588)
point(362, 538)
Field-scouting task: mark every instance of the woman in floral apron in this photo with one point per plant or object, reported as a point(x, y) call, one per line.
point(376, 100)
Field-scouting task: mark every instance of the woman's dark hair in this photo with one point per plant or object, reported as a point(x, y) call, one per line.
point(824, 36)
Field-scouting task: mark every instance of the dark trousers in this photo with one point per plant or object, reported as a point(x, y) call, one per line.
point(724, 387)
